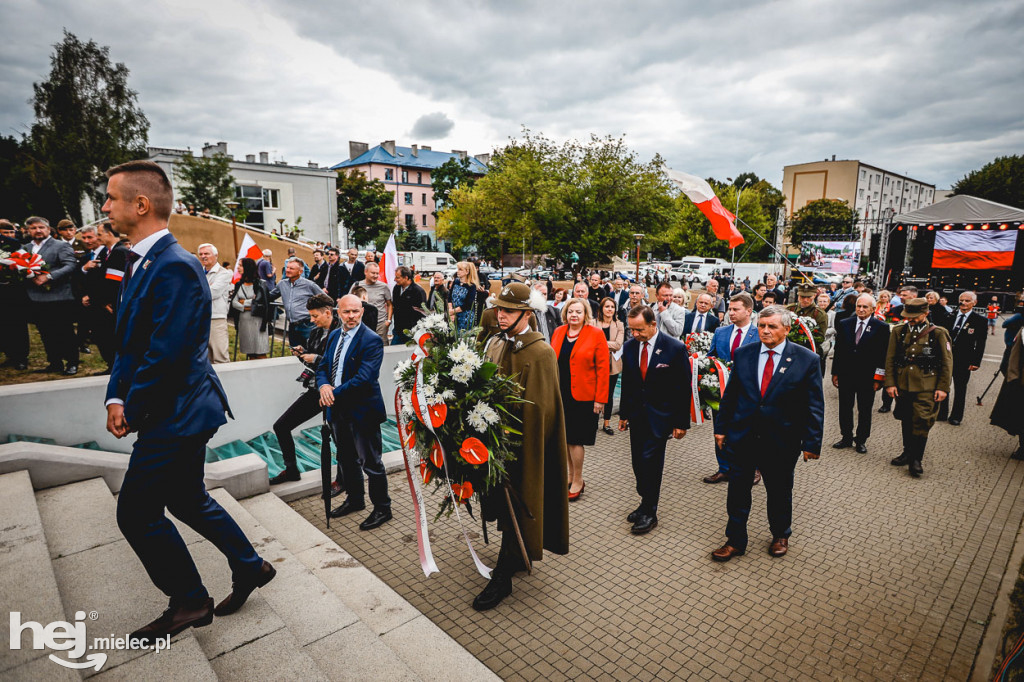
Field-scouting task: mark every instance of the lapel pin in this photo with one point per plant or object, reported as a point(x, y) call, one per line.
point(782, 370)
point(789, 359)
point(145, 264)
point(657, 352)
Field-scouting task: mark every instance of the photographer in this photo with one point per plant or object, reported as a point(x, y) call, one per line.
point(307, 406)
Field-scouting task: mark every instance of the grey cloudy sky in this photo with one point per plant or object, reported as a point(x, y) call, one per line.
point(932, 89)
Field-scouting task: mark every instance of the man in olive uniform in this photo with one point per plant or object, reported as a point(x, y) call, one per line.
point(918, 369)
point(805, 307)
point(538, 477)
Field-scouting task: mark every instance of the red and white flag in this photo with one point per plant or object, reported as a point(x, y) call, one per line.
point(700, 193)
point(388, 262)
point(973, 250)
point(249, 250)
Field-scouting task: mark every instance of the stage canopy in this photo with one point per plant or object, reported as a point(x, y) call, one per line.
point(960, 209)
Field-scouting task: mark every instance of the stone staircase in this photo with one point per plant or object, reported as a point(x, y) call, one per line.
point(324, 617)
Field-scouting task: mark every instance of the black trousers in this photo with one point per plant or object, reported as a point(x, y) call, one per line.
point(863, 394)
point(305, 407)
point(777, 468)
point(612, 381)
point(14, 330)
point(83, 316)
point(359, 451)
point(101, 327)
point(648, 457)
point(961, 377)
point(55, 321)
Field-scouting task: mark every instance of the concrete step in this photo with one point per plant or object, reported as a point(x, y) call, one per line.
point(185, 660)
point(27, 582)
point(386, 613)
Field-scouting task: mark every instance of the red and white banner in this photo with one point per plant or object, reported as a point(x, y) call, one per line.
point(388, 262)
point(700, 193)
point(249, 249)
point(974, 250)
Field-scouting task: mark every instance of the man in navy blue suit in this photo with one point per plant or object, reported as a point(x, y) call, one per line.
point(858, 370)
point(724, 345)
point(771, 411)
point(349, 389)
point(163, 387)
point(655, 405)
point(701, 318)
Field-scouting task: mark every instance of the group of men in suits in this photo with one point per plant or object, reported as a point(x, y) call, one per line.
point(336, 277)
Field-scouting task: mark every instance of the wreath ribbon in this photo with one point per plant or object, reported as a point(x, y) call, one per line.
point(416, 489)
point(30, 263)
point(807, 333)
point(696, 413)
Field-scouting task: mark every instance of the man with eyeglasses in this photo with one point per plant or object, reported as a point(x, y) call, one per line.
point(967, 333)
point(841, 294)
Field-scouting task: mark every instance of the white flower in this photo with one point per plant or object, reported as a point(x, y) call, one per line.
point(447, 394)
point(461, 373)
point(481, 416)
point(462, 354)
point(407, 411)
point(428, 393)
point(809, 323)
point(401, 368)
point(430, 323)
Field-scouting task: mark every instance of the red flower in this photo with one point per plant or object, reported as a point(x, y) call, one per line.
point(474, 451)
point(462, 492)
point(438, 413)
point(425, 473)
point(436, 456)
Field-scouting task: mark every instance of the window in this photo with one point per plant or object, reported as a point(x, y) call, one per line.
point(251, 199)
point(860, 194)
point(410, 220)
point(419, 178)
point(271, 198)
point(408, 197)
point(405, 177)
point(424, 220)
point(389, 174)
point(424, 198)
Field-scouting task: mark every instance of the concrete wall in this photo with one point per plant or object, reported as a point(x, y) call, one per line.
point(70, 411)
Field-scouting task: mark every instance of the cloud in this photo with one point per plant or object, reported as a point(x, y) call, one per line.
point(433, 126)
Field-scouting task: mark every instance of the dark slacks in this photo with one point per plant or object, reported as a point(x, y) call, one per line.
point(863, 394)
point(167, 473)
point(298, 333)
point(305, 407)
point(720, 454)
point(612, 380)
point(359, 451)
point(102, 323)
point(777, 468)
point(648, 456)
point(55, 321)
point(961, 377)
point(14, 330)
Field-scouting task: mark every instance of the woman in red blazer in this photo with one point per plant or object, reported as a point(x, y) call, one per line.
point(583, 377)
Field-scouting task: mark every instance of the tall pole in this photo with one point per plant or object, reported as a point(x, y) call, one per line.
point(638, 237)
point(233, 205)
point(739, 191)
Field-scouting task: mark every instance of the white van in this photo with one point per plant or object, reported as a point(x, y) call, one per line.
point(426, 262)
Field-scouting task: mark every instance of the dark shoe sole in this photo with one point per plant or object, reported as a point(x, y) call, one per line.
point(722, 560)
point(198, 623)
point(377, 523)
point(334, 513)
point(643, 531)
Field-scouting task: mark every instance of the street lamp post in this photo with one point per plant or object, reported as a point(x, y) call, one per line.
point(501, 251)
point(638, 237)
point(233, 207)
point(280, 227)
point(739, 191)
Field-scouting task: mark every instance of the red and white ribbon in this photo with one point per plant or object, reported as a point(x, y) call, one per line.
point(807, 332)
point(696, 413)
point(422, 533)
point(29, 263)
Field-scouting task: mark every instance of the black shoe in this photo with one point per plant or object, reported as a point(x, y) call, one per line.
point(916, 469)
point(900, 461)
point(105, 372)
point(377, 518)
point(240, 591)
point(174, 620)
point(289, 474)
point(21, 366)
point(1018, 454)
point(85, 350)
point(347, 507)
point(954, 422)
point(609, 430)
point(644, 524)
point(883, 409)
point(497, 589)
point(635, 514)
point(52, 369)
point(861, 448)
point(71, 370)
point(840, 444)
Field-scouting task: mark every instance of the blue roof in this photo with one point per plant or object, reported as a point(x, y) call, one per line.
point(427, 159)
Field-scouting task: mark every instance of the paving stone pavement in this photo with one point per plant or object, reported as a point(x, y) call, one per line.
point(887, 577)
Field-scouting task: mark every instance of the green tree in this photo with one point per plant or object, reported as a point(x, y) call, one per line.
point(450, 175)
point(1001, 181)
point(87, 120)
point(822, 217)
point(206, 182)
point(690, 233)
point(21, 194)
point(365, 207)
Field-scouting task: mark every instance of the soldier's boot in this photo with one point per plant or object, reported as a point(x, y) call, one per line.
point(908, 446)
point(915, 463)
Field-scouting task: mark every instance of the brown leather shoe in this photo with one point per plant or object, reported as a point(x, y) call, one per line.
point(726, 552)
point(240, 591)
point(174, 620)
point(779, 547)
point(717, 477)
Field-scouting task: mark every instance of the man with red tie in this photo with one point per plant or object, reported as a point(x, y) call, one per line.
point(654, 406)
point(773, 409)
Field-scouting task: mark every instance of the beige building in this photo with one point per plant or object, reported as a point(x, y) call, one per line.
point(868, 189)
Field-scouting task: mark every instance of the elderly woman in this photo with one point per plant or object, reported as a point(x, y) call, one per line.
point(681, 297)
point(463, 294)
point(583, 374)
point(615, 335)
point(559, 298)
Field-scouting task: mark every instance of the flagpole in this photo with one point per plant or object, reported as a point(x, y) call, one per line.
point(736, 215)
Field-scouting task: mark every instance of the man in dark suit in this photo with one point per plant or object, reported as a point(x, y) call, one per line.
point(332, 278)
point(163, 387)
point(701, 318)
point(655, 405)
point(858, 370)
point(772, 410)
point(967, 332)
point(582, 291)
point(51, 300)
point(620, 295)
point(13, 307)
point(86, 261)
point(319, 269)
point(352, 271)
point(349, 389)
point(409, 299)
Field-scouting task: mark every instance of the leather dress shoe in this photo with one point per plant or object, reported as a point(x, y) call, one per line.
point(954, 422)
point(1018, 454)
point(861, 448)
point(635, 514)
point(900, 461)
point(21, 365)
point(717, 477)
point(176, 619)
point(644, 524)
point(757, 476)
point(378, 517)
point(840, 444)
point(85, 350)
point(726, 552)
point(347, 507)
point(883, 409)
point(71, 370)
point(497, 589)
point(916, 469)
point(609, 430)
point(50, 369)
point(241, 590)
point(286, 476)
point(779, 547)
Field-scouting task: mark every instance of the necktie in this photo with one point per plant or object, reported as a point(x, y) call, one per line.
point(132, 258)
point(769, 369)
point(959, 323)
point(336, 364)
point(643, 361)
point(860, 331)
point(700, 325)
point(327, 277)
point(735, 343)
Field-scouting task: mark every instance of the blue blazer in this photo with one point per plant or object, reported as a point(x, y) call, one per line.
point(162, 370)
point(721, 344)
point(790, 416)
point(664, 396)
point(710, 323)
point(358, 398)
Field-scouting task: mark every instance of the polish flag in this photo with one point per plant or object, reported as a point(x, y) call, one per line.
point(700, 193)
point(249, 250)
point(388, 262)
point(971, 250)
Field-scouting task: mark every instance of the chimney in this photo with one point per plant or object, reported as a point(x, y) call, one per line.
point(312, 164)
point(264, 157)
point(425, 148)
point(833, 157)
point(415, 150)
point(211, 149)
point(357, 148)
point(483, 158)
point(250, 158)
point(389, 147)
point(461, 154)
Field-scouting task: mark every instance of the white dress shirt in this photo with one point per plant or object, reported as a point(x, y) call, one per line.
point(762, 359)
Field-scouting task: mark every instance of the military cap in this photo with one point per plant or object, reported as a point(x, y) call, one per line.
point(807, 290)
point(915, 307)
point(515, 296)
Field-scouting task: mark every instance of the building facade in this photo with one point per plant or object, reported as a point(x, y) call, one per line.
point(406, 171)
point(275, 194)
